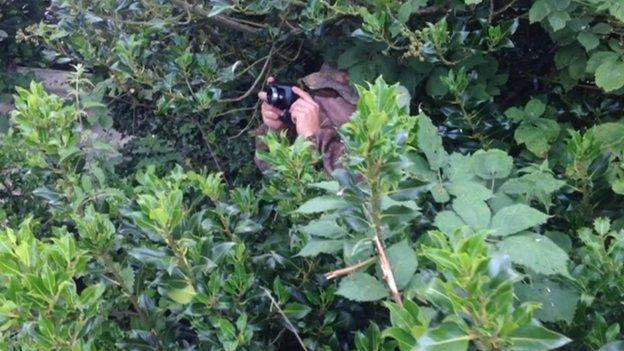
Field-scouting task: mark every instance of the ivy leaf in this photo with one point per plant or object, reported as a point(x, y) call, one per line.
point(535, 337)
point(536, 252)
point(402, 257)
point(315, 247)
point(516, 218)
point(610, 75)
point(493, 163)
point(321, 204)
point(362, 287)
point(447, 336)
point(558, 301)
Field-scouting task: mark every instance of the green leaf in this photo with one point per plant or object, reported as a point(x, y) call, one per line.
point(430, 142)
point(537, 135)
point(362, 287)
point(613, 346)
point(91, 294)
point(539, 11)
point(403, 261)
point(535, 337)
point(469, 190)
point(610, 75)
point(182, 296)
point(558, 20)
point(445, 337)
point(558, 301)
point(516, 218)
point(536, 252)
point(322, 204)
point(325, 228)
point(589, 40)
point(315, 247)
point(476, 214)
point(473, 2)
point(493, 163)
point(535, 108)
point(296, 310)
point(448, 222)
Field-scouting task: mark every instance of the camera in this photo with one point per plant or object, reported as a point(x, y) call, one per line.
point(282, 97)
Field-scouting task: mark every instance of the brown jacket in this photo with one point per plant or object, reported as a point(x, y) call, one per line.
point(336, 99)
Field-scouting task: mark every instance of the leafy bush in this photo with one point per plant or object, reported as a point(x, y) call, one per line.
point(478, 207)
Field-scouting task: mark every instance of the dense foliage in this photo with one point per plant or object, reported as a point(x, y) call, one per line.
point(478, 207)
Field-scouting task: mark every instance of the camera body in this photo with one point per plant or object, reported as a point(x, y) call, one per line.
point(281, 96)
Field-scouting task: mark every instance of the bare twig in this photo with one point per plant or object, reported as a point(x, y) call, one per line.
point(386, 269)
point(221, 20)
point(348, 270)
point(286, 320)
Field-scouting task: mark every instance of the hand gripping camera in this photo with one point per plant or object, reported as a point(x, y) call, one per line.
point(281, 96)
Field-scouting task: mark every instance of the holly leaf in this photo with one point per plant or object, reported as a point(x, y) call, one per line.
point(322, 204)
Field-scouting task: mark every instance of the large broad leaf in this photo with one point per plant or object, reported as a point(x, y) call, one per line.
point(445, 337)
point(430, 142)
point(539, 11)
point(325, 228)
point(448, 222)
point(315, 247)
point(322, 204)
point(558, 301)
point(516, 218)
point(537, 135)
point(493, 163)
point(535, 337)
point(476, 214)
point(403, 260)
point(182, 296)
point(536, 252)
point(362, 287)
point(469, 190)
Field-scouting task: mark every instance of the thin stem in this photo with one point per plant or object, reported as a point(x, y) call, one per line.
point(348, 270)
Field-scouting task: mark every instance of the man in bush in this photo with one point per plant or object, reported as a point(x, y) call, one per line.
point(316, 115)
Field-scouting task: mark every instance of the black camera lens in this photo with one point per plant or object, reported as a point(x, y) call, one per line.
point(280, 95)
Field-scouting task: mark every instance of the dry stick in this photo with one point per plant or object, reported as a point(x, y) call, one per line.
point(348, 270)
point(386, 269)
point(279, 310)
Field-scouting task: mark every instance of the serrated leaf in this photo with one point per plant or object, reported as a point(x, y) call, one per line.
point(558, 301)
point(315, 247)
point(536, 252)
point(430, 142)
point(469, 190)
point(493, 163)
point(476, 214)
point(516, 218)
point(362, 287)
point(325, 228)
point(403, 260)
point(321, 204)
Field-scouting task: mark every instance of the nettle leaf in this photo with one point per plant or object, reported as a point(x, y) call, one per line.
point(322, 204)
point(537, 135)
point(516, 218)
point(448, 222)
point(430, 142)
point(404, 263)
point(447, 336)
point(493, 163)
point(476, 214)
point(610, 75)
point(536, 252)
point(315, 247)
point(535, 337)
point(362, 287)
point(558, 301)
